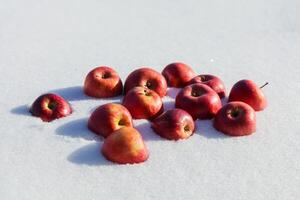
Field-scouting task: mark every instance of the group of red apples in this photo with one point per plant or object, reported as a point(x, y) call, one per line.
point(144, 89)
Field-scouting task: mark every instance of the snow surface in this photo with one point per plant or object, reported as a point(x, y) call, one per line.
point(51, 45)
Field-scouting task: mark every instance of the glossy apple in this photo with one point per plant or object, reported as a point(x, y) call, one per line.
point(49, 107)
point(148, 78)
point(103, 82)
point(174, 124)
point(143, 103)
point(248, 92)
point(109, 118)
point(178, 74)
point(236, 119)
point(199, 100)
point(125, 146)
point(212, 81)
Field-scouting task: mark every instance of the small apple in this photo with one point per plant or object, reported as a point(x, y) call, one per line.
point(199, 100)
point(248, 92)
point(143, 103)
point(148, 78)
point(109, 118)
point(103, 82)
point(212, 81)
point(125, 146)
point(174, 124)
point(50, 107)
point(178, 74)
point(236, 119)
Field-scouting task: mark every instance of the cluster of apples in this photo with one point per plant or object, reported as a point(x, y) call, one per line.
point(144, 89)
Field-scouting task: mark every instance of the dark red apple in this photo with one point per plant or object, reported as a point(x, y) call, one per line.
point(174, 124)
point(109, 118)
point(199, 100)
point(178, 74)
point(236, 119)
point(103, 82)
point(148, 78)
point(212, 81)
point(50, 106)
point(248, 92)
point(143, 103)
point(125, 146)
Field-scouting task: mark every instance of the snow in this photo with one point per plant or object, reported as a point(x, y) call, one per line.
point(49, 46)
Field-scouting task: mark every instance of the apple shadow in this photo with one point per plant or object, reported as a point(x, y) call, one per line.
point(206, 129)
point(89, 155)
point(74, 93)
point(168, 105)
point(21, 110)
point(77, 129)
point(172, 92)
point(224, 100)
point(147, 133)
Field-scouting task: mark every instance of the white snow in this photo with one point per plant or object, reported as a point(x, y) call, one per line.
point(51, 46)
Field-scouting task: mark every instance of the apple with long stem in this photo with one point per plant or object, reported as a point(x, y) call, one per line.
point(248, 92)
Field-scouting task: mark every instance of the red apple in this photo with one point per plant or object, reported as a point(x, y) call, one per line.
point(50, 107)
point(109, 118)
point(212, 81)
point(248, 92)
point(178, 74)
point(103, 82)
point(148, 78)
point(143, 103)
point(125, 146)
point(235, 119)
point(199, 100)
point(174, 124)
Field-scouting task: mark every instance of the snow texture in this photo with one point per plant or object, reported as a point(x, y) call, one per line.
point(49, 46)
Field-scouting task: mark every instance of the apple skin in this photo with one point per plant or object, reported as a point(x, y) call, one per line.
point(49, 107)
point(143, 103)
point(109, 118)
point(125, 146)
point(146, 77)
point(174, 124)
point(178, 74)
point(212, 81)
point(235, 119)
point(248, 92)
point(103, 82)
point(199, 100)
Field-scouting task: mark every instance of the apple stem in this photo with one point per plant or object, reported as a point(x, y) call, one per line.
point(264, 85)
